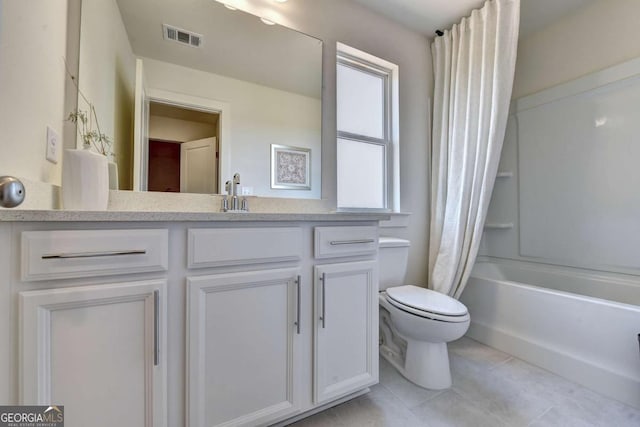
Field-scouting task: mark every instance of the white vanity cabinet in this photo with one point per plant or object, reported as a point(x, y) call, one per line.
point(96, 349)
point(345, 329)
point(268, 344)
point(243, 327)
point(196, 323)
point(244, 347)
point(345, 311)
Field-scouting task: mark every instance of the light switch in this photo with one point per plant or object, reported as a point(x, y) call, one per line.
point(53, 142)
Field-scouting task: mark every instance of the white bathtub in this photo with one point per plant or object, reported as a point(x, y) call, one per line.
point(582, 326)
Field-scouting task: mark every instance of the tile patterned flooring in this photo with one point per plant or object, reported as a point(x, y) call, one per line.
point(490, 388)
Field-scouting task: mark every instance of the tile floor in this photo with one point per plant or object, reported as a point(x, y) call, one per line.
point(490, 388)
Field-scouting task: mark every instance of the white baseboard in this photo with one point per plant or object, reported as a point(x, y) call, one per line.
point(571, 367)
point(321, 408)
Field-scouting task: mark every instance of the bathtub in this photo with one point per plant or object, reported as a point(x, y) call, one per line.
point(580, 325)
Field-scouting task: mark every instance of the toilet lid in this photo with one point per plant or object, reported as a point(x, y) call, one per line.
point(427, 300)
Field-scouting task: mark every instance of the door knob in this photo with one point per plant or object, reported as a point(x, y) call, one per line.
point(12, 192)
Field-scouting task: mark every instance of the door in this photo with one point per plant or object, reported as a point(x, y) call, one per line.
point(198, 171)
point(97, 350)
point(243, 348)
point(140, 131)
point(346, 329)
point(164, 166)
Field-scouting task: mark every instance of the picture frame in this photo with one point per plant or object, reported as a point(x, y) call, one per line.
point(290, 167)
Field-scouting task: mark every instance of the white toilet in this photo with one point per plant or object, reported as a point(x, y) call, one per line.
point(416, 323)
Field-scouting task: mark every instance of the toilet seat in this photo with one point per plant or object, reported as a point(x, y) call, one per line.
point(427, 303)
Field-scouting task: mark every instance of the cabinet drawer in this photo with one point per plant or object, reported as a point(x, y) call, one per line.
point(333, 242)
point(219, 247)
point(50, 255)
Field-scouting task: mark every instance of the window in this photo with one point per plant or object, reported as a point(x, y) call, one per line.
point(368, 137)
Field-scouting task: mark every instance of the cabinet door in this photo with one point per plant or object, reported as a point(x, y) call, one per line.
point(243, 348)
point(97, 350)
point(346, 329)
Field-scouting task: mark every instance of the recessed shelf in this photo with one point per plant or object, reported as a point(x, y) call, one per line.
point(499, 226)
point(506, 174)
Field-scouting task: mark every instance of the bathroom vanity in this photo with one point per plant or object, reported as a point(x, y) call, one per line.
point(200, 319)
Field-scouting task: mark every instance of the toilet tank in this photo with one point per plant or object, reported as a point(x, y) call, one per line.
point(392, 261)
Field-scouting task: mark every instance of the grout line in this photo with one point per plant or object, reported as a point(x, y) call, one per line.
point(398, 397)
point(466, 396)
point(540, 416)
point(402, 402)
point(404, 405)
point(504, 362)
point(472, 403)
point(428, 399)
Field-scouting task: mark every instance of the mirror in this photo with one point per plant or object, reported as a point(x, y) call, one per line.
point(178, 73)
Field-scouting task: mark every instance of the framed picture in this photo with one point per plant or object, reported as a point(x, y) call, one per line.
point(290, 167)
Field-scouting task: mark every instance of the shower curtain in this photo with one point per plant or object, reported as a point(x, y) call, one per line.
point(474, 64)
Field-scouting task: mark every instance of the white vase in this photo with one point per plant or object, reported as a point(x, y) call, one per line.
point(85, 181)
point(113, 176)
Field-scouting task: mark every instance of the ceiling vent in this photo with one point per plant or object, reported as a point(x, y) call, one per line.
point(178, 35)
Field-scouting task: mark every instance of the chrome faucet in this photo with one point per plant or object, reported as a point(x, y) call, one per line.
point(234, 197)
point(225, 199)
point(231, 189)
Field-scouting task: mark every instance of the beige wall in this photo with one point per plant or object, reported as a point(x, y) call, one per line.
point(177, 130)
point(605, 33)
point(107, 78)
point(260, 116)
point(33, 42)
point(357, 26)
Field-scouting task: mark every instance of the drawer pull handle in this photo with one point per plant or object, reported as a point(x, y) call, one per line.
point(93, 254)
point(351, 242)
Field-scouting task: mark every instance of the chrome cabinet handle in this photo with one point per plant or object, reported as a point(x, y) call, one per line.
point(297, 323)
point(324, 313)
point(71, 255)
point(350, 242)
point(156, 327)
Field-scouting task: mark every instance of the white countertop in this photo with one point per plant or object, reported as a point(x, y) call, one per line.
point(15, 215)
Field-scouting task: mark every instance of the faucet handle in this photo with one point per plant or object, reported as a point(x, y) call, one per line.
point(244, 205)
point(236, 182)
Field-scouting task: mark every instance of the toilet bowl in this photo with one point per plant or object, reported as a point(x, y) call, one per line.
point(416, 323)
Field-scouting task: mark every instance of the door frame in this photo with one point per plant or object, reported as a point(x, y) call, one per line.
point(208, 106)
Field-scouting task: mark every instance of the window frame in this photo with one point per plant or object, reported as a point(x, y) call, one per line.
point(366, 63)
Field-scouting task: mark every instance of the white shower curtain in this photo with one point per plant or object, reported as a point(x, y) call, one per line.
point(474, 64)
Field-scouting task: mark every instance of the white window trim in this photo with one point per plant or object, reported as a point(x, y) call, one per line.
point(348, 53)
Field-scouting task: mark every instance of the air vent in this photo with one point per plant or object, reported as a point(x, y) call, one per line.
point(178, 35)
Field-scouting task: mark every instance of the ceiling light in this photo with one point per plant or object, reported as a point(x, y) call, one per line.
point(281, 1)
point(266, 21)
point(228, 6)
